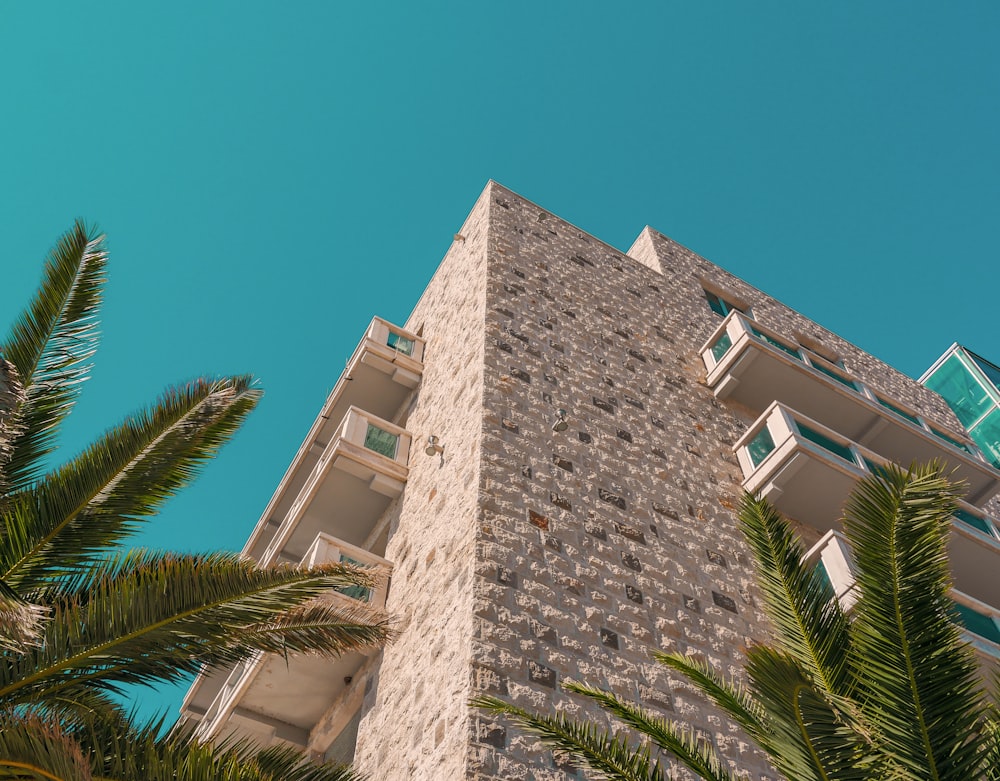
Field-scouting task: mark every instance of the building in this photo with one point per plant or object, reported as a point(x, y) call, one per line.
point(971, 386)
point(547, 456)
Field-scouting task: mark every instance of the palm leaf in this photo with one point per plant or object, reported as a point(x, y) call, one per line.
point(96, 500)
point(32, 747)
point(582, 744)
point(143, 618)
point(50, 345)
point(809, 624)
point(918, 683)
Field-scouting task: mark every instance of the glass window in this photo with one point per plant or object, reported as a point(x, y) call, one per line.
point(400, 343)
point(723, 307)
point(825, 442)
point(834, 375)
point(354, 592)
point(991, 371)
point(721, 346)
point(977, 623)
point(973, 520)
point(776, 343)
point(890, 406)
point(986, 434)
point(950, 440)
point(760, 446)
point(963, 392)
point(381, 441)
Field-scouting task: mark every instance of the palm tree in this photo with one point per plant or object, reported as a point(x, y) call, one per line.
point(888, 690)
point(80, 617)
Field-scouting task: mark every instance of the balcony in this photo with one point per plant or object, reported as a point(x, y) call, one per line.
point(753, 366)
point(979, 621)
point(271, 699)
point(808, 470)
point(385, 368)
point(358, 473)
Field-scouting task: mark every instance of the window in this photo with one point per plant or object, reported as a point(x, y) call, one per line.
point(400, 344)
point(723, 307)
point(381, 441)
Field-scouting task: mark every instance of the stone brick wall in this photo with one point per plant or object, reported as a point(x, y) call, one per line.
point(527, 557)
point(416, 720)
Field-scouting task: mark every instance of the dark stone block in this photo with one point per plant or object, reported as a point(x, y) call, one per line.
point(624, 334)
point(506, 577)
point(504, 346)
point(547, 397)
point(691, 603)
point(609, 638)
point(692, 449)
point(486, 679)
point(509, 425)
point(562, 463)
point(635, 293)
point(652, 528)
point(553, 543)
point(633, 594)
point(611, 498)
point(726, 603)
point(631, 561)
point(549, 378)
point(634, 402)
point(622, 434)
point(629, 533)
point(561, 365)
point(504, 312)
point(657, 422)
point(560, 501)
point(491, 734)
point(664, 510)
point(604, 405)
point(544, 633)
point(526, 471)
point(584, 437)
point(661, 700)
point(556, 346)
point(539, 673)
point(539, 520)
point(637, 355)
point(659, 453)
point(716, 558)
point(520, 374)
point(569, 313)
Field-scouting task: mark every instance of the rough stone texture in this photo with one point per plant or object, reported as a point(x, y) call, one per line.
point(526, 557)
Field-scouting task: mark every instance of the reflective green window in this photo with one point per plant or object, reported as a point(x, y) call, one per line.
point(944, 437)
point(381, 441)
point(875, 469)
point(973, 520)
point(400, 343)
point(722, 307)
point(354, 592)
point(777, 343)
point(890, 406)
point(991, 371)
point(986, 434)
point(834, 375)
point(760, 446)
point(825, 442)
point(721, 346)
point(963, 392)
point(977, 623)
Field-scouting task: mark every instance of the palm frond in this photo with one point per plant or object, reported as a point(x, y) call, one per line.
point(142, 618)
point(678, 741)
point(582, 744)
point(731, 696)
point(20, 620)
point(32, 747)
point(11, 398)
point(50, 345)
point(97, 499)
point(918, 683)
point(808, 738)
point(809, 623)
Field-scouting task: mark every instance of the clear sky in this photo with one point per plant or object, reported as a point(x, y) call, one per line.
point(256, 164)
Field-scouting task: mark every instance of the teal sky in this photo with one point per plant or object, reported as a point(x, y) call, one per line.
point(256, 165)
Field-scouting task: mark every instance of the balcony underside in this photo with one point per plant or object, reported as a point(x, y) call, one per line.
point(811, 486)
point(755, 375)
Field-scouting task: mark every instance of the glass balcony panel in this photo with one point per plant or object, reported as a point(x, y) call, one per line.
point(977, 623)
point(974, 521)
point(825, 442)
point(721, 346)
point(905, 415)
point(960, 388)
point(834, 375)
point(986, 434)
point(381, 441)
point(400, 343)
point(359, 593)
point(776, 343)
point(760, 446)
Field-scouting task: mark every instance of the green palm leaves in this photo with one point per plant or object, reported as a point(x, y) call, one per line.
point(886, 691)
point(80, 618)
